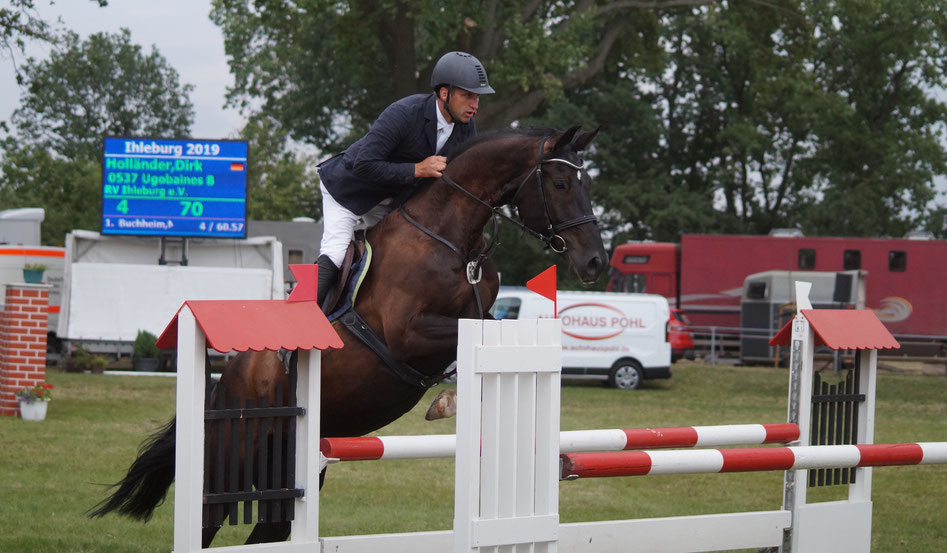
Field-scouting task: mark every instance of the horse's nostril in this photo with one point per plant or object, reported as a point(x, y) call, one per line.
point(595, 264)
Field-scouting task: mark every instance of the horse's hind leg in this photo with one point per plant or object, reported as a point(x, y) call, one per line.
point(266, 532)
point(274, 531)
point(207, 536)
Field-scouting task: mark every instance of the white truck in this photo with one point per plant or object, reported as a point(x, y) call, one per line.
point(106, 288)
point(117, 285)
point(617, 337)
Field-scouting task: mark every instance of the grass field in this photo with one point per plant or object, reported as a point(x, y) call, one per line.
point(54, 471)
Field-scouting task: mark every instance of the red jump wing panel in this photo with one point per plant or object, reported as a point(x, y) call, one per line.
point(256, 325)
point(842, 329)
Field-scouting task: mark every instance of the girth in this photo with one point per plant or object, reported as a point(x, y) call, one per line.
point(357, 326)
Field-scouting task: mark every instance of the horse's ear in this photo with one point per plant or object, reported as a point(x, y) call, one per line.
point(584, 139)
point(564, 139)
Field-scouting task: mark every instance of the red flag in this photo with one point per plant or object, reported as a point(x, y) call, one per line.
point(544, 284)
point(306, 288)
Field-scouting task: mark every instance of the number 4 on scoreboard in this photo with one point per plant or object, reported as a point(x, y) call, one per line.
point(122, 207)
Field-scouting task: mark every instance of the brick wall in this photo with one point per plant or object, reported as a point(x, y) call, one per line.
point(22, 342)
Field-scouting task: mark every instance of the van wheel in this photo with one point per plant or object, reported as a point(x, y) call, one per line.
point(626, 375)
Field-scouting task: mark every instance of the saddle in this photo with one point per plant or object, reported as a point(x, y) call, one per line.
point(358, 257)
point(340, 306)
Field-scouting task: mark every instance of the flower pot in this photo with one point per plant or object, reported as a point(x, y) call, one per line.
point(33, 276)
point(33, 410)
point(145, 364)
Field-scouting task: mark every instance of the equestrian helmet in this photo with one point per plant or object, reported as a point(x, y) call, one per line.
point(462, 70)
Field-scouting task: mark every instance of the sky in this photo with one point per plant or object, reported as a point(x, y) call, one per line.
point(181, 31)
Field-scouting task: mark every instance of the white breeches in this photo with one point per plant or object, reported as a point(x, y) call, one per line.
point(339, 224)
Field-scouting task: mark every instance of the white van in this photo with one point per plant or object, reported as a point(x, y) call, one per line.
point(618, 337)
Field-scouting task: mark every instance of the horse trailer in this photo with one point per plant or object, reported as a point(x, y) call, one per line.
point(704, 276)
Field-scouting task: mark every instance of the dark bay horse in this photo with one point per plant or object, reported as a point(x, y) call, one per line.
point(430, 267)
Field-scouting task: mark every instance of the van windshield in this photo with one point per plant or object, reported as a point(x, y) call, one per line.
point(506, 308)
point(631, 282)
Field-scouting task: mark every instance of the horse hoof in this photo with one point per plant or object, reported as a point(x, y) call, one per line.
point(444, 406)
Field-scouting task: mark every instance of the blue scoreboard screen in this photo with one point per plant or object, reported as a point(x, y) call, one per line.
point(163, 187)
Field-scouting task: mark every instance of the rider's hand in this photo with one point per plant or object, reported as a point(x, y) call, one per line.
point(430, 167)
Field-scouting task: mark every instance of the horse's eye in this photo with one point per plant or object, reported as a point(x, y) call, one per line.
point(561, 184)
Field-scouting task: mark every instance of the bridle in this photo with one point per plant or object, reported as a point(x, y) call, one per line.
point(552, 229)
point(475, 262)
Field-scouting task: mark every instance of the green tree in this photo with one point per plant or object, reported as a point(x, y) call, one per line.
point(810, 115)
point(281, 185)
point(883, 144)
point(719, 116)
point(638, 185)
point(69, 190)
point(936, 222)
point(104, 85)
point(20, 23)
point(325, 70)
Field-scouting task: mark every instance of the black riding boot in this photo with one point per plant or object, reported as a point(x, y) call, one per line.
point(328, 274)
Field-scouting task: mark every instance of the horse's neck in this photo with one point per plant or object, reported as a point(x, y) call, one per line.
point(451, 214)
point(457, 216)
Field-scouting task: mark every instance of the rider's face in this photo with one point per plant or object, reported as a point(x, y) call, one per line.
point(463, 104)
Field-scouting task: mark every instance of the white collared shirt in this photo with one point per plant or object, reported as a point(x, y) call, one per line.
point(443, 129)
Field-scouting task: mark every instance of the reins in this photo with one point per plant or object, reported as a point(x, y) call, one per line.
point(474, 266)
point(475, 262)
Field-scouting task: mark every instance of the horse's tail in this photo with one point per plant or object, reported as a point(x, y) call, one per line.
point(146, 485)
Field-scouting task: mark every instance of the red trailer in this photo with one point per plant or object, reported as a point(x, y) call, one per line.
point(704, 274)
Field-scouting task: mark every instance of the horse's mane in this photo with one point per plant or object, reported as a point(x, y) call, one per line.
point(527, 132)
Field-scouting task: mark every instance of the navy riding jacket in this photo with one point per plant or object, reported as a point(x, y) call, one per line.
point(381, 164)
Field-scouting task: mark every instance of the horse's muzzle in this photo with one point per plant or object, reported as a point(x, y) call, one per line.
point(592, 268)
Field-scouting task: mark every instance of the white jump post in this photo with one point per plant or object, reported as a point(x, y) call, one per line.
point(508, 492)
point(800, 527)
point(224, 325)
point(813, 526)
point(189, 435)
point(501, 502)
point(507, 470)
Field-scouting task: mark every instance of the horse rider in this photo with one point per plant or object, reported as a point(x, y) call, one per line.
point(409, 141)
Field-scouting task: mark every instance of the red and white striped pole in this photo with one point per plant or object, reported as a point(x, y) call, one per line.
point(681, 436)
point(434, 446)
point(637, 463)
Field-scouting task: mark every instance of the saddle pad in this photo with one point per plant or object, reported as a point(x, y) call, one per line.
point(356, 276)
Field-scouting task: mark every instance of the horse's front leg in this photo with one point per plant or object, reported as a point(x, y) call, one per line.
point(438, 333)
point(443, 328)
point(444, 405)
point(429, 335)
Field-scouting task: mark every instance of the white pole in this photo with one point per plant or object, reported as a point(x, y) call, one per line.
point(868, 361)
point(467, 460)
point(189, 445)
point(305, 528)
point(802, 349)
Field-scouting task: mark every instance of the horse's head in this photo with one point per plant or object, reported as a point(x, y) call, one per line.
point(554, 201)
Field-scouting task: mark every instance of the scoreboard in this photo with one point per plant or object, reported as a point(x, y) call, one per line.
point(164, 187)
